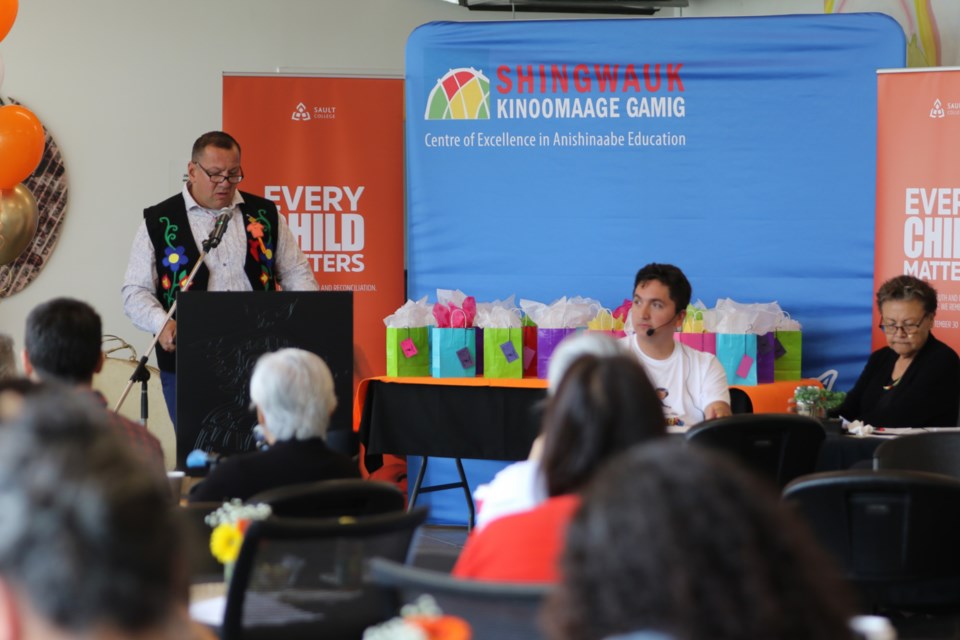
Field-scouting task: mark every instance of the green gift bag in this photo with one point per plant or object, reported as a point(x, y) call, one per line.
point(787, 355)
point(408, 351)
point(502, 353)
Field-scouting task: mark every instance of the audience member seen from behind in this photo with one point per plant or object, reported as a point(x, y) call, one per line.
point(691, 384)
point(915, 380)
point(62, 344)
point(8, 362)
point(520, 486)
point(683, 542)
point(292, 390)
point(603, 405)
point(89, 546)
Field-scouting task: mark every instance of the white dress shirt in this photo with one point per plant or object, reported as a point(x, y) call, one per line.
point(225, 263)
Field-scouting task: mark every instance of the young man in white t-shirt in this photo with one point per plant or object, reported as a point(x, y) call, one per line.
point(692, 384)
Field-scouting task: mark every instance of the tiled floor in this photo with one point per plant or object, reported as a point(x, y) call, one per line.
point(438, 547)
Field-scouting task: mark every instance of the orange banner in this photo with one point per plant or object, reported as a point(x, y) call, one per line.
point(329, 152)
point(918, 188)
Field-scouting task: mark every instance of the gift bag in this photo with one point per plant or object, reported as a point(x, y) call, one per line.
point(547, 341)
point(706, 342)
point(479, 350)
point(408, 351)
point(766, 357)
point(737, 353)
point(503, 352)
point(787, 350)
point(529, 355)
point(453, 353)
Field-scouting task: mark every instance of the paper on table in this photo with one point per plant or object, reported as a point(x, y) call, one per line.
point(266, 611)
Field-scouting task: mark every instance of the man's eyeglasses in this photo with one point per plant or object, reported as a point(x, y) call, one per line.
point(217, 178)
point(908, 328)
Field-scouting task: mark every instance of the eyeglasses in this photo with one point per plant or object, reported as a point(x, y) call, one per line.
point(908, 328)
point(217, 178)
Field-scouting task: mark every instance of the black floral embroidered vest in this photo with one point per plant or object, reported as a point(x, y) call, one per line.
point(176, 251)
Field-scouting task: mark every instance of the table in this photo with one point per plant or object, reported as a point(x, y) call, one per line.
point(476, 418)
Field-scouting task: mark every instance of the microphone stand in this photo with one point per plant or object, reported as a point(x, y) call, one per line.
point(140, 373)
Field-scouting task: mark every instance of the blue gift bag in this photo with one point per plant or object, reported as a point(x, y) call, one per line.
point(737, 353)
point(453, 353)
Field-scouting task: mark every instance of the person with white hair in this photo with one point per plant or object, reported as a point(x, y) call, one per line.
point(292, 391)
point(521, 486)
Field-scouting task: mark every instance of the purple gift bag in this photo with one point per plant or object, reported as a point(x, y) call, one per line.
point(766, 357)
point(547, 341)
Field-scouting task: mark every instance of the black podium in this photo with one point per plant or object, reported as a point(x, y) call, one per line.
point(220, 335)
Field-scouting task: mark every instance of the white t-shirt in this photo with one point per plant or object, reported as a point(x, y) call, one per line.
point(516, 488)
point(687, 382)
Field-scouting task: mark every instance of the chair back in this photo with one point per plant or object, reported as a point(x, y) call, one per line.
point(494, 610)
point(304, 578)
point(779, 446)
point(894, 533)
point(933, 452)
point(740, 401)
point(332, 499)
point(203, 566)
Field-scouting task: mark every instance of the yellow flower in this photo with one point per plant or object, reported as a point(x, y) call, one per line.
point(225, 542)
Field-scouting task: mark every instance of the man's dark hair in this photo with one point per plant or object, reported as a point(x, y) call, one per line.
point(669, 276)
point(602, 406)
point(684, 542)
point(62, 340)
point(87, 535)
point(218, 139)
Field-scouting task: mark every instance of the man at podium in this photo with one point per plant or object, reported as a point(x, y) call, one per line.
point(256, 250)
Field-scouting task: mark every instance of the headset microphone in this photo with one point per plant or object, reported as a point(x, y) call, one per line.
point(653, 330)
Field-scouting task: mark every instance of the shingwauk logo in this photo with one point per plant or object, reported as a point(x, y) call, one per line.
point(461, 94)
point(303, 113)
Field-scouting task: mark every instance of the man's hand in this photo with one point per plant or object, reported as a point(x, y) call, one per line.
point(168, 336)
point(717, 409)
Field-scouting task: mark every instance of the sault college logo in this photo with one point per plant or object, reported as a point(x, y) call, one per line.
point(937, 110)
point(461, 94)
point(300, 114)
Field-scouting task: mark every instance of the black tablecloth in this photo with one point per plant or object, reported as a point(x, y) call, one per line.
point(450, 421)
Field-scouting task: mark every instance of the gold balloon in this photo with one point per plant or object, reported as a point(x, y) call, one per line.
point(18, 222)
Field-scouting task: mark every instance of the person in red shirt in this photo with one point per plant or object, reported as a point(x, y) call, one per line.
point(602, 406)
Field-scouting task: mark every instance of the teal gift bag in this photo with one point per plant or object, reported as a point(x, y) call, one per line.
point(737, 353)
point(453, 353)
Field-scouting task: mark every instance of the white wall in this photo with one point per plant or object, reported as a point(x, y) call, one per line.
point(125, 86)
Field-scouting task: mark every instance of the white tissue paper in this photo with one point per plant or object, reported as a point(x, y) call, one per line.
point(563, 313)
point(499, 314)
point(413, 313)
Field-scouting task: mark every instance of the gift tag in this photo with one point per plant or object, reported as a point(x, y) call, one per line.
point(528, 356)
point(745, 363)
point(409, 349)
point(509, 352)
point(466, 358)
point(778, 348)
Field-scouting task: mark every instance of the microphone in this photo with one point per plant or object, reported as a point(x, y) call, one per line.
point(653, 330)
point(219, 227)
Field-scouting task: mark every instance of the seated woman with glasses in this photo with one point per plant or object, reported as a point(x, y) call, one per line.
point(915, 380)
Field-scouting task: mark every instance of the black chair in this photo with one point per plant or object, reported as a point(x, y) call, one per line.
point(299, 578)
point(894, 533)
point(494, 610)
point(933, 452)
point(332, 499)
point(203, 566)
point(779, 446)
point(740, 401)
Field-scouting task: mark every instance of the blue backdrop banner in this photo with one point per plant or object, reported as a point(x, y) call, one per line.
point(555, 158)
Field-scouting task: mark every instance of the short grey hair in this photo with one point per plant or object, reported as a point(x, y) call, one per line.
point(293, 389)
point(572, 348)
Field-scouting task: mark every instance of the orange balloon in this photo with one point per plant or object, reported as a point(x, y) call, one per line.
point(8, 13)
point(21, 144)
